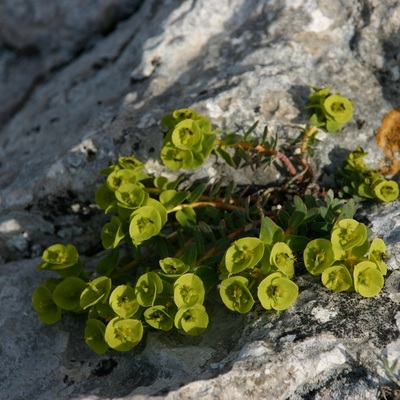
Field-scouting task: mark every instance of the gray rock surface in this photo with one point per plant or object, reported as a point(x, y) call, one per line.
point(83, 82)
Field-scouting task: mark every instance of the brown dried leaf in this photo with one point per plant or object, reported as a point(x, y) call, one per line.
point(388, 137)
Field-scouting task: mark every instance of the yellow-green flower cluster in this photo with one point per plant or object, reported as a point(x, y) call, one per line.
point(330, 111)
point(366, 182)
point(188, 141)
point(348, 262)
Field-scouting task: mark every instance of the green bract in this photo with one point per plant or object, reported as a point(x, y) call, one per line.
point(67, 293)
point(277, 292)
point(282, 258)
point(368, 280)
point(94, 336)
point(235, 294)
point(337, 278)
point(112, 234)
point(362, 182)
point(96, 291)
point(158, 317)
point(245, 253)
point(188, 290)
point(147, 288)
point(318, 255)
point(338, 108)
point(146, 222)
point(130, 196)
point(186, 134)
point(123, 334)
point(385, 190)
point(377, 254)
point(193, 320)
point(43, 303)
point(348, 233)
point(119, 178)
point(330, 111)
point(123, 301)
point(58, 257)
point(173, 266)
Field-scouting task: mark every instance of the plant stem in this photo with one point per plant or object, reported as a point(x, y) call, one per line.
point(215, 204)
point(307, 136)
point(264, 150)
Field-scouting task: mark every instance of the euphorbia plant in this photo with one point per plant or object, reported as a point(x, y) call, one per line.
point(168, 243)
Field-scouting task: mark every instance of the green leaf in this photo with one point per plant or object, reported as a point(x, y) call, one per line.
point(318, 255)
point(235, 294)
point(311, 215)
point(243, 254)
point(43, 303)
point(172, 198)
point(226, 157)
point(188, 290)
point(277, 292)
point(158, 318)
point(105, 198)
point(189, 256)
point(186, 218)
point(123, 301)
point(299, 214)
point(270, 232)
point(348, 210)
point(123, 334)
point(337, 278)
point(193, 320)
point(96, 291)
point(208, 275)
point(368, 279)
point(196, 193)
point(109, 263)
point(104, 311)
point(94, 336)
point(67, 294)
point(296, 242)
point(148, 286)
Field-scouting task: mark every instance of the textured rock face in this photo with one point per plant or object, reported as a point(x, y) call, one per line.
point(101, 74)
point(38, 37)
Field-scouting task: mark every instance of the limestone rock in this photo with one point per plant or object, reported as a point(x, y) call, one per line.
point(38, 37)
point(100, 77)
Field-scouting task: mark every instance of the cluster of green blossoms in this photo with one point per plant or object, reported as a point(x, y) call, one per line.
point(358, 180)
point(188, 141)
point(124, 194)
point(169, 243)
point(330, 111)
point(119, 313)
point(258, 265)
point(348, 262)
